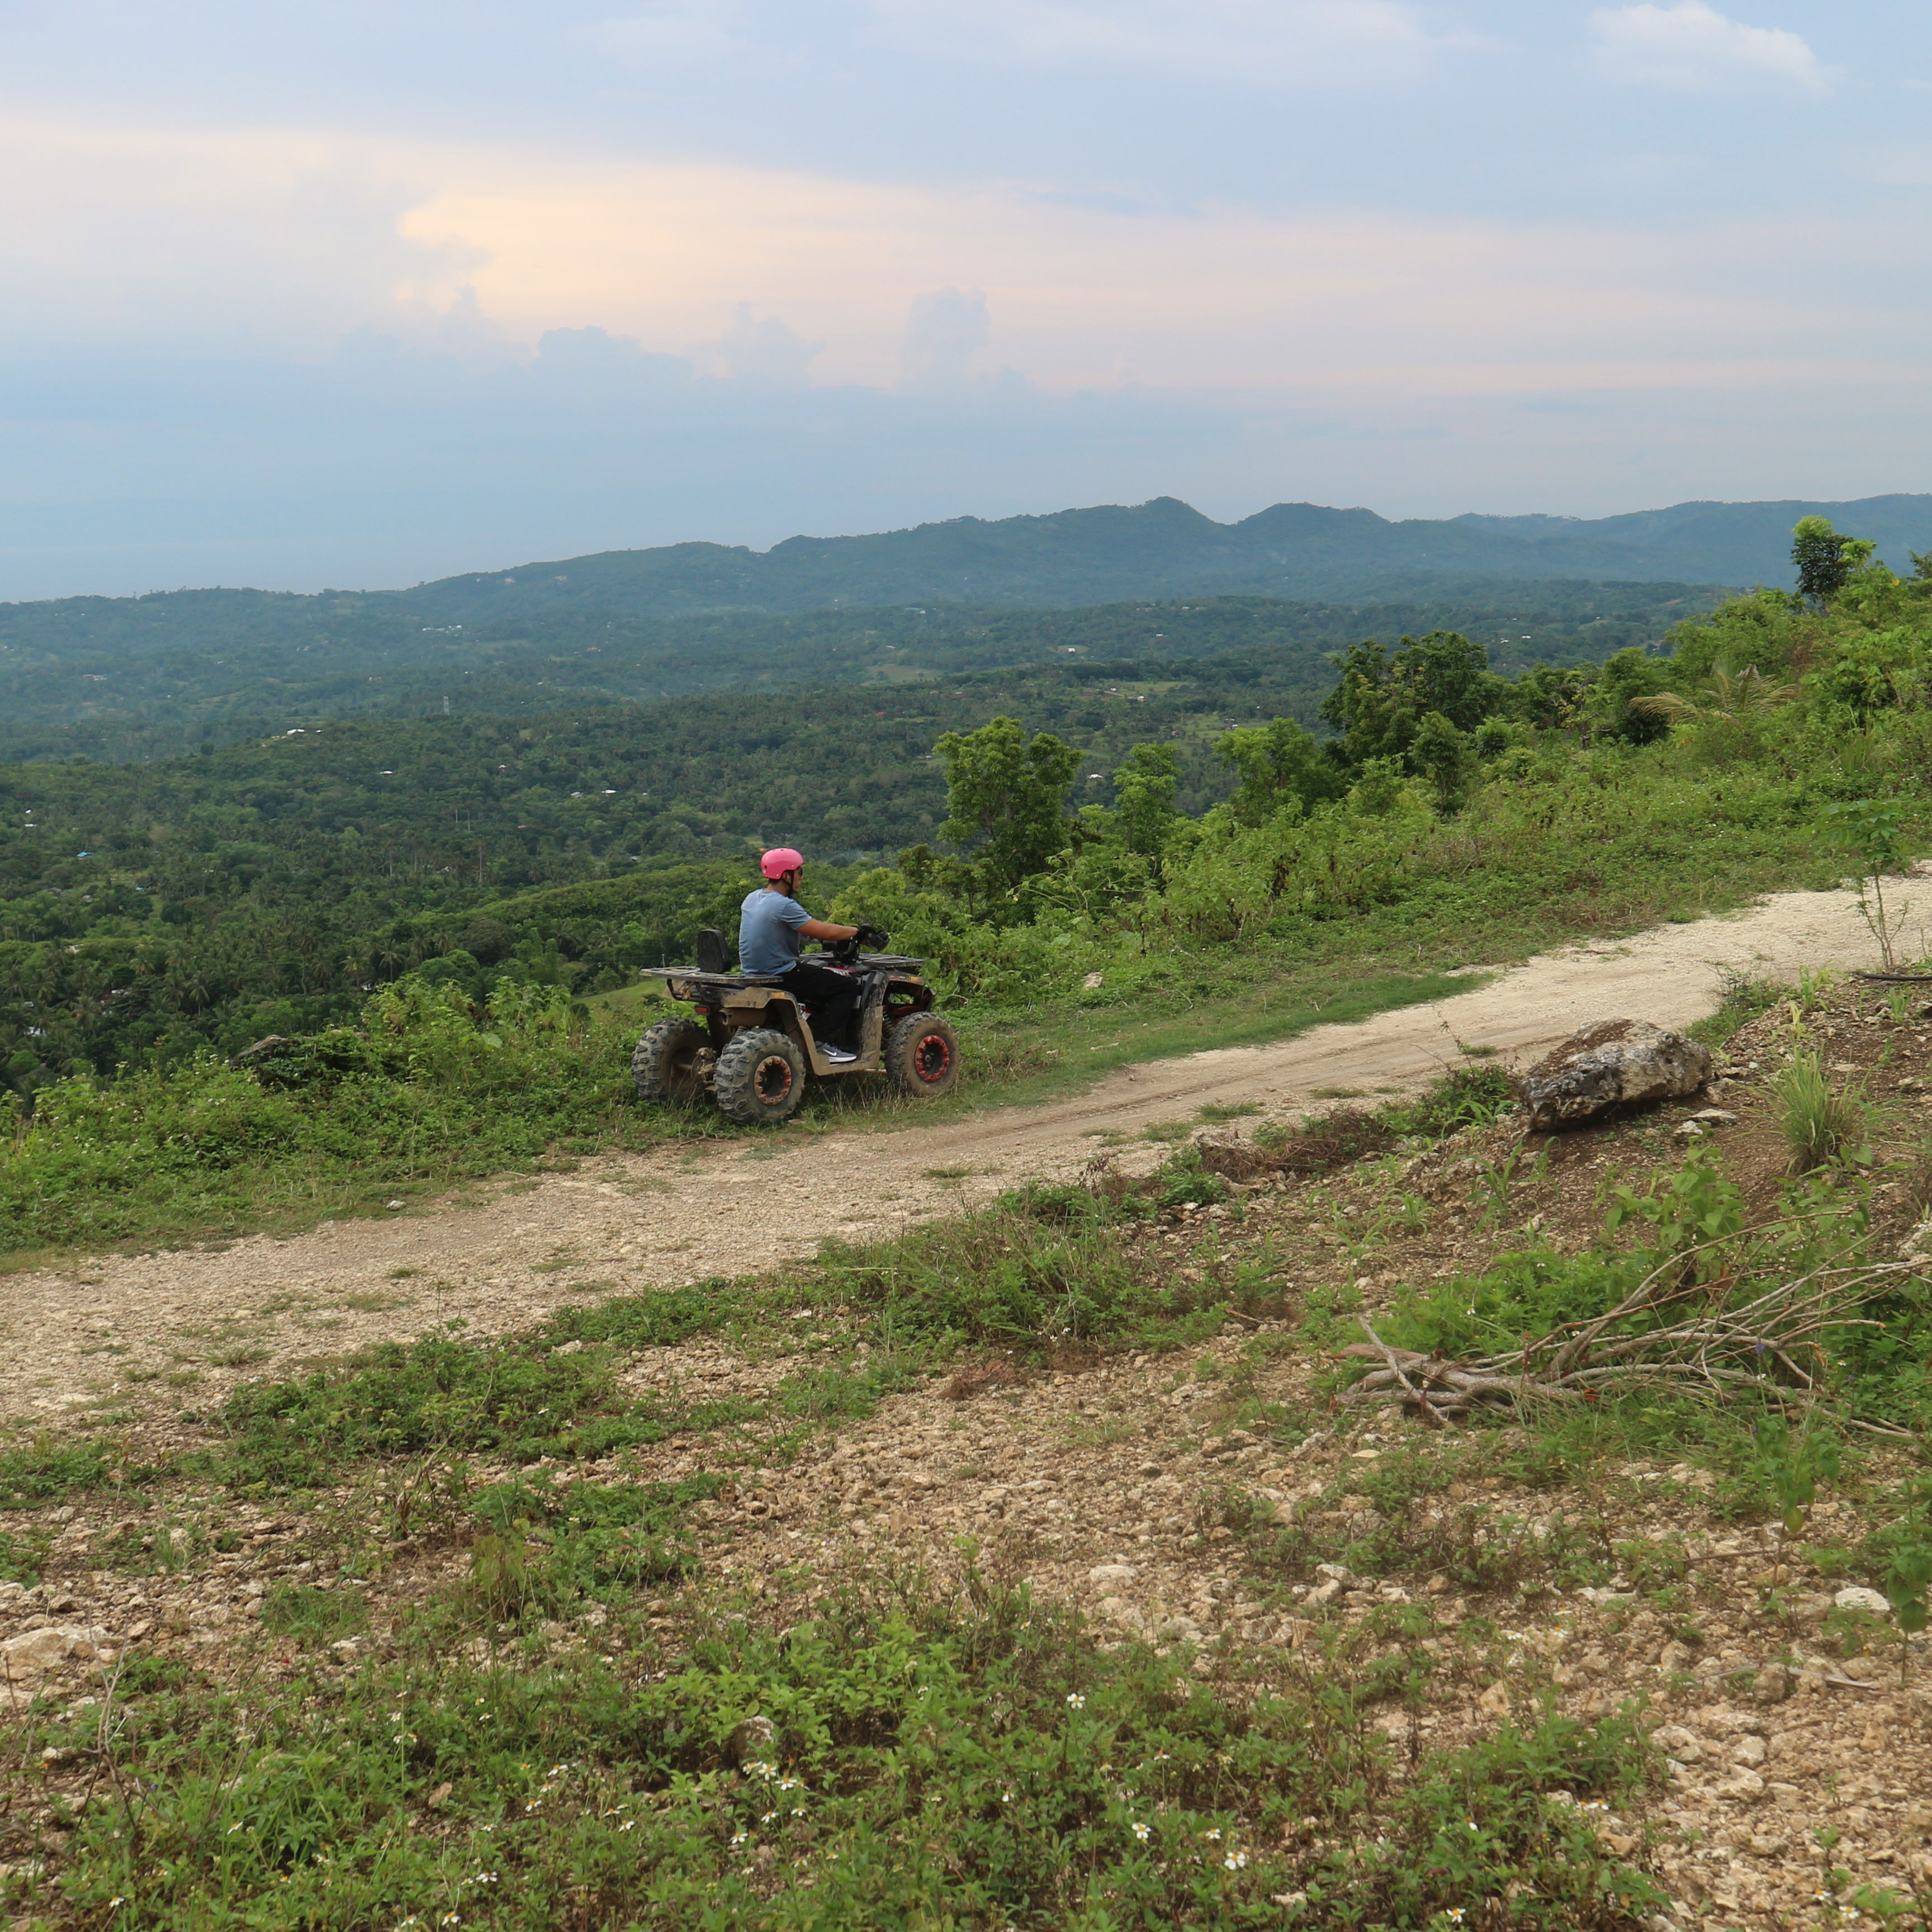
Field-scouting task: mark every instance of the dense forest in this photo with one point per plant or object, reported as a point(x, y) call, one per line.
point(152, 677)
point(146, 909)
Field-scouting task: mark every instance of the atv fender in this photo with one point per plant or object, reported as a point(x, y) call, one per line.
point(773, 1006)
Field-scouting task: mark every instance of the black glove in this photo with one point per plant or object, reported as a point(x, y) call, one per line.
point(875, 938)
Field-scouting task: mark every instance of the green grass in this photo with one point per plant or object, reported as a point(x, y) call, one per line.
point(929, 1756)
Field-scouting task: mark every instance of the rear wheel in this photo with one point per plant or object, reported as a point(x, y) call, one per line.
point(761, 1079)
point(669, 1063)
point(922, 1055)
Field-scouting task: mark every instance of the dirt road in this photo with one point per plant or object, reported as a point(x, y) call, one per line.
point(162, 1329)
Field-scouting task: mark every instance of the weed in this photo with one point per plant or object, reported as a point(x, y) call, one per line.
point(306, 1615)
point(1742, 999)
point(1819, 1124)
point(1790, 1463)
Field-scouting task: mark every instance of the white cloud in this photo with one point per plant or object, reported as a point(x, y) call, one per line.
point(1692, 45)
point(767, 352)
point(946, 329)
point(672, 33)
point(1244, 43)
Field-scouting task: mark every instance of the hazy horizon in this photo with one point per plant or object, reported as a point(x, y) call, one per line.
point(394, 292)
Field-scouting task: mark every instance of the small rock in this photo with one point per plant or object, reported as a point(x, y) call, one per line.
point(1111, 1573)
point(1683, 1745)
point(1744, 1784)
point(1750, 1752)
point(1856, 1596)
point(752, 1739)
point(1714, 1117)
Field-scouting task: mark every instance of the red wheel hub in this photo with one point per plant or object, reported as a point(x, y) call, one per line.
point(932, 1058)
point(772, 1080)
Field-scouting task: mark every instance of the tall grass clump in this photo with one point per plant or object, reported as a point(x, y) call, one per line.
point(1819, 1124)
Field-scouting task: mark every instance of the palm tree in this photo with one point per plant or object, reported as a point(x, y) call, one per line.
point(1747, 698)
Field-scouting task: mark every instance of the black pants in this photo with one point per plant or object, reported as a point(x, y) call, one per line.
point(833, 998)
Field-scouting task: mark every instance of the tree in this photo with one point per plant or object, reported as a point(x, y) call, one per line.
point(1873, 830)
point(1381, 698)
point(1746, 699)
point(1445, 757)
point(1826, 560)
point(1279, 764)
point(1005, 798)
point(1143, 790)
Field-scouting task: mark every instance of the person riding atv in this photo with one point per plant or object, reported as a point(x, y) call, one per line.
point(761, 1031)
point(770, 924)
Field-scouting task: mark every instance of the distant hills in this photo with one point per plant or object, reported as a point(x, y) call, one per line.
point(1166, 549)
point(138, 677)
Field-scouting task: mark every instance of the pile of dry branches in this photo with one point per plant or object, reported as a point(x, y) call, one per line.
point(1728, 1339)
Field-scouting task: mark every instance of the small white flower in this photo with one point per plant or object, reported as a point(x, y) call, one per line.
point(1236, 1861)
point(1143, 1832)
point(738, 1837)
point(1074, 1702)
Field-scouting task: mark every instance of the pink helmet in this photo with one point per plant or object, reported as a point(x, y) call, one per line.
point(782, 860)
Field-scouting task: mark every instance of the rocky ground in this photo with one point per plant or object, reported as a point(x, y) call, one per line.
point(1181, 1499)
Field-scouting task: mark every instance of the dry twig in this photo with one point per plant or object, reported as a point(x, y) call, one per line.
point(1770, 1342)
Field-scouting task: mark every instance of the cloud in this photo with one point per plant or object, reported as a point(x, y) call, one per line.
point(1268, 44)
point(767, 352)
point(673, 33)
point(946, 329)
point(1691, 45)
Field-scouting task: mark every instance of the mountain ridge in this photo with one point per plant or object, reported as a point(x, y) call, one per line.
point(1165, 548)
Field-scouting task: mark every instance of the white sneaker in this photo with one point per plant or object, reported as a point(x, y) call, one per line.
point(838, 1055)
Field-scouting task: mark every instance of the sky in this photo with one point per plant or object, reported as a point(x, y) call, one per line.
point(369, 293)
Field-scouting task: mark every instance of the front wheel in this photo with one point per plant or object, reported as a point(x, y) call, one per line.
point(667, 1066)
point(921, 1056)
point(761, 1079)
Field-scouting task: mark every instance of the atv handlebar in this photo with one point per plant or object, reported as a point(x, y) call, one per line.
point(867, 939)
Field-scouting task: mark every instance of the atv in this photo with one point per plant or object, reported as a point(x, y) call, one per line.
point(751, 1046)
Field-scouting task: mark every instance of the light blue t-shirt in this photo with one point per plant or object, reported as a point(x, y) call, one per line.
point(768, 925)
